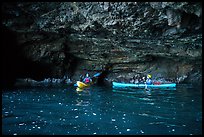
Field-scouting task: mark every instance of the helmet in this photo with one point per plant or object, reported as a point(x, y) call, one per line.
point(149, 76)
point(87, 75)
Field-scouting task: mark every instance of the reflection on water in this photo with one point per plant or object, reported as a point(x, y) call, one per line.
point(100, 110)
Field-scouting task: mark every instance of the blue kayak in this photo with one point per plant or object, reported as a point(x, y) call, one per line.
point(143, 86)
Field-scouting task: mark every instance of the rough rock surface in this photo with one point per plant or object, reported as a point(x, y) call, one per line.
point(53, 39)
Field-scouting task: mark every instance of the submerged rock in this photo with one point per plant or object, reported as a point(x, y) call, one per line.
point(45, 82)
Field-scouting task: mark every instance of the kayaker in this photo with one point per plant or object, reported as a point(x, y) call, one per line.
point(140, 80)
point(132, 80)
point(148, 80)
point(87, 79)
point(143, 79)
point(136, 80)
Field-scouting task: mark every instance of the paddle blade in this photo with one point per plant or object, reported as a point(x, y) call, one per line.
point(97, 74)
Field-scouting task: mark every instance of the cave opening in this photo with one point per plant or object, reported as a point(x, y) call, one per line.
point(15, 65)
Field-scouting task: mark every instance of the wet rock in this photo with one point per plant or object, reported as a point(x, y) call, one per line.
point(170, 31)
point(45, 82)
point(174, 17)
point(73, 38)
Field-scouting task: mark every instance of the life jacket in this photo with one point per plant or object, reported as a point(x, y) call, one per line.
point(87, 80)
point(149, 81)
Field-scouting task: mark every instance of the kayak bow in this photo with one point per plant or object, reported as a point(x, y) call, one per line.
point(82, 85)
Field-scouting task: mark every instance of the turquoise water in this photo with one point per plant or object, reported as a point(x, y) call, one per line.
point(101, 111)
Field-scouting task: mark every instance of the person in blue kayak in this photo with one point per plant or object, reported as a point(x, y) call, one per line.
point(87, 79)
point(148, 80)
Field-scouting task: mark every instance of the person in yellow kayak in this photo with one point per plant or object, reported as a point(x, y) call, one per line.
point(87, 79)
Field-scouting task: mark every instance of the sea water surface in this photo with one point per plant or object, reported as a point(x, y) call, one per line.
point(101, 110)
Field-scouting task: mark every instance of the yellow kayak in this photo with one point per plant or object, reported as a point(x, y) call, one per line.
point(82, 85)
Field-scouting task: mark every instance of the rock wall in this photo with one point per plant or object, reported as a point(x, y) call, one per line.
point(73, 38)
